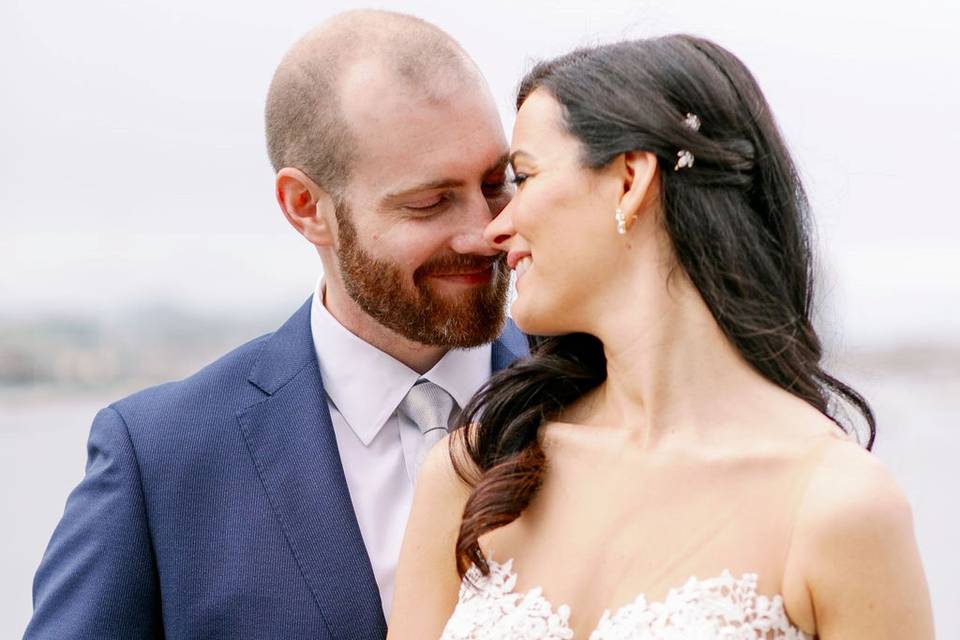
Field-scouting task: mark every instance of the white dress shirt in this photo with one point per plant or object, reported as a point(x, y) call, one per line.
point(377, 447)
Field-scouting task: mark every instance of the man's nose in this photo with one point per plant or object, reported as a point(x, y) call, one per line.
point(473, 242)
point(469, 239)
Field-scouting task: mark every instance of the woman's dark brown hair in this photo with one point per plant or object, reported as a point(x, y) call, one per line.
point(738, 222)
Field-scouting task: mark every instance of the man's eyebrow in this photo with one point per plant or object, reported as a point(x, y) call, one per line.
point(444, 183)
point(501, 163)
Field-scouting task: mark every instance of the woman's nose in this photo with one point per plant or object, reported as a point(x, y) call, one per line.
point(500, 230)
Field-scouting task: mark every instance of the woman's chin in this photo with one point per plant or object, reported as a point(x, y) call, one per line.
point(532, 321)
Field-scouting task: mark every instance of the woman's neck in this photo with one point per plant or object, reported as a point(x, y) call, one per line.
point(671, 372)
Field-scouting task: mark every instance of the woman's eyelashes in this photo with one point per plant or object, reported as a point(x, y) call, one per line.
point(518, 178)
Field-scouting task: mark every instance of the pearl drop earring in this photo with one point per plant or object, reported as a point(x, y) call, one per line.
point(621, 222)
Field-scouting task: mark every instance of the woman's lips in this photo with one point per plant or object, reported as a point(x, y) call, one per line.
point(516, 256)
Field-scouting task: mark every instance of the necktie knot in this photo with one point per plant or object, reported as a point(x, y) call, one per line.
point(428, 406)
point(433, 410)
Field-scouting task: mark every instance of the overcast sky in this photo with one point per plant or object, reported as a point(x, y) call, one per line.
point(133, 169)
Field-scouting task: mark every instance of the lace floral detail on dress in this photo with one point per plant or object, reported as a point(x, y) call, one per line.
point(489, 609)
point(723, 607)
point(720, 608)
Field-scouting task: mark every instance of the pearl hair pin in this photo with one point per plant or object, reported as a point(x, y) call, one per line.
point(684, 161)
point(684, 156)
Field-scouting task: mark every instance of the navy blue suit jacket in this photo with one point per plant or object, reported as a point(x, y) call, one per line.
point(216, 507)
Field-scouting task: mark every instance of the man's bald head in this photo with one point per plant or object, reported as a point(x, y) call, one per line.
point(307, 126)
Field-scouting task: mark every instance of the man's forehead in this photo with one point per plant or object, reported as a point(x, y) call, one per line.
point(370, 89)
point(457, 138)
point(366, 90)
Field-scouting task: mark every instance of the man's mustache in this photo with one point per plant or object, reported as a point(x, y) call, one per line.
point(453, 264)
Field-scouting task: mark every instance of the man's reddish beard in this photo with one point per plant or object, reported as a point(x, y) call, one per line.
point(421, 314)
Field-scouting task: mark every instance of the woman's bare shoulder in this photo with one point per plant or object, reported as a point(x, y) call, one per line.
point(855, 547)
point(850, 491)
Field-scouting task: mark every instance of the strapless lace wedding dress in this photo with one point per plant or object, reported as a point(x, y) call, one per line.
point(718, 608)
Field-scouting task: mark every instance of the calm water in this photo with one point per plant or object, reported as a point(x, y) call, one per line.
point(42, 455)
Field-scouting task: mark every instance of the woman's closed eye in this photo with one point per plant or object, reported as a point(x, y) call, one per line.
point(518, 178)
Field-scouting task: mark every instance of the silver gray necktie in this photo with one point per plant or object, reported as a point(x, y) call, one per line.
point(433, 410)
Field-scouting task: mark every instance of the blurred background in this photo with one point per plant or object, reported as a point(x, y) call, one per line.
point(139, 238)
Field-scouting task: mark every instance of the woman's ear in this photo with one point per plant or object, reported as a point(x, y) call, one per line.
point(640, 188)
point(308, 208)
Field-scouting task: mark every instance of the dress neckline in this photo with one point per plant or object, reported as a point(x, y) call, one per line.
point(502, 579)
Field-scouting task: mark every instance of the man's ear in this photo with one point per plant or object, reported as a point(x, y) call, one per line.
point(638, 170)
point(307, 207)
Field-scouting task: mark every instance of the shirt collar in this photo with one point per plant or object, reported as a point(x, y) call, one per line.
point(366, 385)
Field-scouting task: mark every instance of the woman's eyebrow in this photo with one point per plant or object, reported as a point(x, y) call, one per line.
point(521, 154)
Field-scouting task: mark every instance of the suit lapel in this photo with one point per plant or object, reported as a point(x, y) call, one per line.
point(291, 440)
point(290, 437)
point(511, 344)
